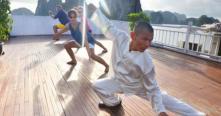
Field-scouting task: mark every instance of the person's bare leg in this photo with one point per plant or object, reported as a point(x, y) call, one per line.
point(86, 44)
point(101, 45)
point(99, 59)
point(68, 47)
point(55, 31)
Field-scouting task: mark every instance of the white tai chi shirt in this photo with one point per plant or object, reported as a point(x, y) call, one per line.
point(134, 72)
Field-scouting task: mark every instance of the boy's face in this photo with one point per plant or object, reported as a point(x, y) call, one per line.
point(73, 17)
point(142, 41)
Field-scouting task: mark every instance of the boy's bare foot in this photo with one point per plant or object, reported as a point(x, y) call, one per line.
point(56, 39)
point(106, 69)
point(72, 62)
point(90, 59)
point(102, 105)
point(104, 51)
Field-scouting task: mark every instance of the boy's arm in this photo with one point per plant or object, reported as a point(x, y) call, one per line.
point(57, 15)
point(153, 89)
point(108, 29)
point(155, 93)
point(51, 14)
point(119, 37)
point(58, 34)
point(150, 83)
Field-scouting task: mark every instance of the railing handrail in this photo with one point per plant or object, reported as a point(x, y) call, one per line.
point(200, 43)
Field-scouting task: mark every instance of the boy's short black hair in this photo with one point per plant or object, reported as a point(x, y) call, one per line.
point(59, 6)
point(141, 25)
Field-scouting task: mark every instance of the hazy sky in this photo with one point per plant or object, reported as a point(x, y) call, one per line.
point(30, 4)
point(191, 8)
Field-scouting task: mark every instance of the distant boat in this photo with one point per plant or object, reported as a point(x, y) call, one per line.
point(215, 27)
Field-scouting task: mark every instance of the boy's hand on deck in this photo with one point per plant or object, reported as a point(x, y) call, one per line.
point(163, 114)
point(56, 36)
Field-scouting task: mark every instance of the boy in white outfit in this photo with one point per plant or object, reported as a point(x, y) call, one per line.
point(133, 70)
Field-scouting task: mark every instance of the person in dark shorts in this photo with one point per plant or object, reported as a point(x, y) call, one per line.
point(75, 28)
point(80, 13)
point(61, 16)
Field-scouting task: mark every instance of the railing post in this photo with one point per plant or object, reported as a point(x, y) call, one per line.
point(186, 48)
point(215, 44)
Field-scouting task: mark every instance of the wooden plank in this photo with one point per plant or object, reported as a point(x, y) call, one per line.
point(8, 98)
point(35, 80)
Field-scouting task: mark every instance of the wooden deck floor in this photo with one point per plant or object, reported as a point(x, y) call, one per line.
point(36, 81)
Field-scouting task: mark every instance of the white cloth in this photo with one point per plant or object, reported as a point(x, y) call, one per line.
point(133, 73)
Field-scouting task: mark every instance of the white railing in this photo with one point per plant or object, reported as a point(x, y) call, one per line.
point(200, 44)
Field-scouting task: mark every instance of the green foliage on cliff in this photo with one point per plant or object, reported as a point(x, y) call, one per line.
point(5, 20)
point(134, 17)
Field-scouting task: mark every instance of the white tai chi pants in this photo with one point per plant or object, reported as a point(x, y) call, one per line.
point(108, 88)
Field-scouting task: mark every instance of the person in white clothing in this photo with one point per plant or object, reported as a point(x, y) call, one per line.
point(133, 69)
